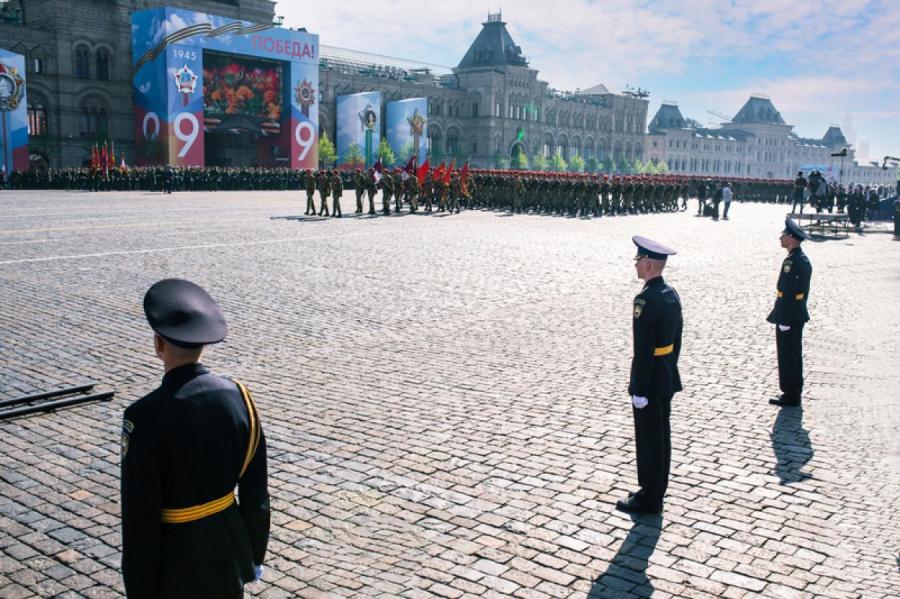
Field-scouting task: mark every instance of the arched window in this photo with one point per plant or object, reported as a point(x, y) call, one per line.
point(37, 119)
point(82, 63)
point(435, 140)
point(93, 120)
point(452, 145)
point(103, 64)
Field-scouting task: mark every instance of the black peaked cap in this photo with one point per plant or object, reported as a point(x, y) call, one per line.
point(184, 313)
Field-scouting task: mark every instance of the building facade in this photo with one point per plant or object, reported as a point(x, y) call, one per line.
point(756, 143)
point(78, 65)
point(489, 109)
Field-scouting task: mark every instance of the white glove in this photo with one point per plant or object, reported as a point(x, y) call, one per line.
point(784, 327)
point(639, 402)
point(258, 572)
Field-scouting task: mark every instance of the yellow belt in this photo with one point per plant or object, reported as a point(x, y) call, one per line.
point(189, 514)
point(196, 512)
point(797, 296)
point(663, 351)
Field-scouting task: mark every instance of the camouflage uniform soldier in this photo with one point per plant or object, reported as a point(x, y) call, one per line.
point(455, 192)
point(371, 188)
point(627, 196)
point(401, 189)
point(310, 183)
point(605, 191)
point(517, 195)
point(387, 190)
point(428, 192)
point(337, 190)
point(413, 188)
point(444, 190)
point(359, 184)
point(323, 182)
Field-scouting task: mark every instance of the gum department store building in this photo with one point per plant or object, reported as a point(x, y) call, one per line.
point(490, 108)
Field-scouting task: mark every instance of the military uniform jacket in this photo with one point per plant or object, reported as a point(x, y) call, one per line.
point(184, 445)
point(656, 329)
point(792, 292)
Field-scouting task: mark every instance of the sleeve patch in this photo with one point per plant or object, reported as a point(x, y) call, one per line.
point(638, 308)
point(787, 267)
point(127, 427)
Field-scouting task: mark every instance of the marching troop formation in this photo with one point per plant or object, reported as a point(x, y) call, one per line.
point(449, 189)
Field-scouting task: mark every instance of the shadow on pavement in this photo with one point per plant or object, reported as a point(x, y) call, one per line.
point(626, 575)
point(791, 444)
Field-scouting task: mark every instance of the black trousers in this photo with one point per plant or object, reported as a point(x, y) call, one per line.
point(653, 440)
point(790, 361)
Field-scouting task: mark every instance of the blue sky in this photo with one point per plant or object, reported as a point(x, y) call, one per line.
point(821, 62)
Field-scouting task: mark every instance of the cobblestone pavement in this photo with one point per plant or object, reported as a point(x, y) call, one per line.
point(445, 398)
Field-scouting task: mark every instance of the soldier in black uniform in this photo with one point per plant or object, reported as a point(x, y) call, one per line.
point(168, 179)
point(800, 184)
point(790, 314)
point(897, 216)
point(657, 326)
point(185, 447)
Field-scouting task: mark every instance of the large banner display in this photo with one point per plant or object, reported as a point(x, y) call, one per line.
point(13, 113)
point(358, 128)
point(406, 122)
point(196, 73)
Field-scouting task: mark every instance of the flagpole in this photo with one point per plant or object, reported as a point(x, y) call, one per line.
point(6, 166)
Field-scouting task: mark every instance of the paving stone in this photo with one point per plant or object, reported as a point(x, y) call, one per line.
point(444, 398)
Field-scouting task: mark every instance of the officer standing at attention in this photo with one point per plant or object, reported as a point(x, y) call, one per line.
point(790, 314)
point(656, 326)
point(185, 447)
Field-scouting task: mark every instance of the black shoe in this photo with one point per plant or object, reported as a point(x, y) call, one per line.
point(785, 402)
point(633, 505)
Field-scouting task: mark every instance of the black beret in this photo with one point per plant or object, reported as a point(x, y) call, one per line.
point(794, 230)
point(183, 313)
point(651, 249)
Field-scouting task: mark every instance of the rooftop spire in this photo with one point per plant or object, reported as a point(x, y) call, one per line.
point(493, 47)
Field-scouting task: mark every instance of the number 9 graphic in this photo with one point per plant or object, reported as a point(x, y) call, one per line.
point(305, 142)
point(187, 138)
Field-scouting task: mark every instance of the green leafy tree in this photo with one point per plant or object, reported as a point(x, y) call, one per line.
point(388, 158)
point(608, 165)
point(520, 161)
point(405, 153)
point(353, 157)
point(539, 162)
point(638, 167)
point(500, 161)
point(662, 167)
point(576, 164)
point(327, 152)
point(592, 165)
point(558, 163)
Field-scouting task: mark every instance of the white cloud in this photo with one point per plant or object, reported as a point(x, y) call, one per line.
point(828, 56)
